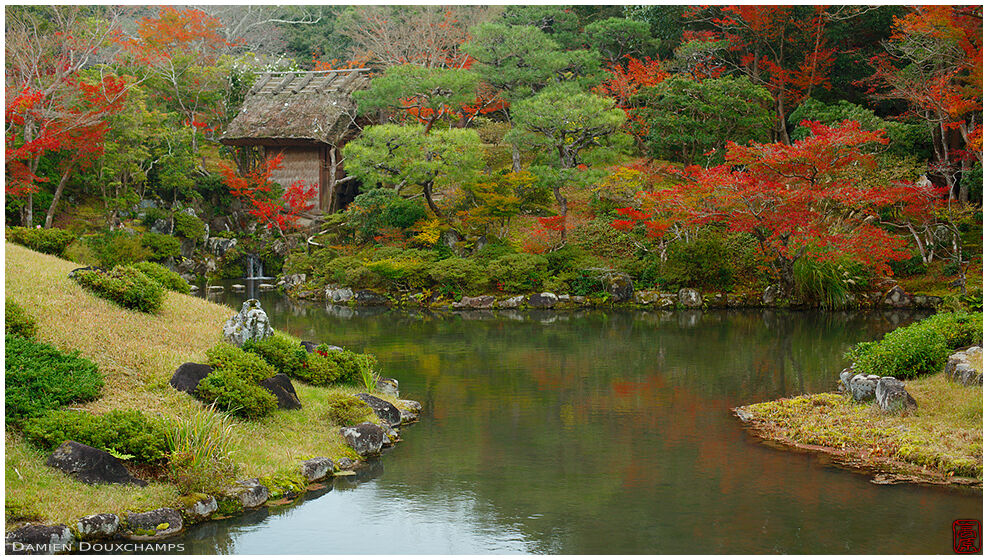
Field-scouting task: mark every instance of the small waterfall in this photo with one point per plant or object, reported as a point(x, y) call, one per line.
point(255, 268)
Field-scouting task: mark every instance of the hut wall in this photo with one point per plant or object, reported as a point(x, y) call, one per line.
point(298, 162)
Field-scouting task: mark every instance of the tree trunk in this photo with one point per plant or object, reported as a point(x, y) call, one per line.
point(58, 194)
point(787, 276)
point(562, 209)
point(27, 213)
point(427, 190)
point(515, 159)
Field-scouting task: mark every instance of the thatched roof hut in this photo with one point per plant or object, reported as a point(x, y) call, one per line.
point(306, 117)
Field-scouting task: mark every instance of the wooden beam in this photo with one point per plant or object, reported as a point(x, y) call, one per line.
point(305, 81)
point(288, 79)
point(261, 82)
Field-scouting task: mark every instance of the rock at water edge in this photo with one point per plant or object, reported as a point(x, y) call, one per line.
point(43, 539)
point(317, 468)
point(365, 438)
point(90, 465)
point(99, 526)
point(382, 408)
point(863, 387)
point(157, 524)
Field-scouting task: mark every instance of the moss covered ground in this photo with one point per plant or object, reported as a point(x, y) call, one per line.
point(137, 354)
point(942, 442)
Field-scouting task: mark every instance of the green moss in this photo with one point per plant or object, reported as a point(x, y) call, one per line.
point(227, 508)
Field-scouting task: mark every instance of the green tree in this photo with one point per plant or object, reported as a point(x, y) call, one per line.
point(429, 95)
point(396, 157)
point(615, 38)
point(905, 138)
point(558, 22)
point(566, 122)
point(687, 119)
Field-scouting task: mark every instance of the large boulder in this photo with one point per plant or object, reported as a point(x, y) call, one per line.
point(292, 280)
point(219, 245)
point(365, 438)
point(201, 508)
point(281, 387)
point(369, 298)
point(690, 298)
point(960, 367)
point(157, 524)
point(317, 468)
point(336, 294)
point(863, 387)
point(248, 493)
point(251, 323)
point(98, 526)
point(382, 408)
point(387, 386)
point(845, 380)
point(188, 375)
point(511, 302)
point(39, 539)
point(544, 300)
point(90, 465)
point(892, 396)
point(616, 283)
point(897, 297)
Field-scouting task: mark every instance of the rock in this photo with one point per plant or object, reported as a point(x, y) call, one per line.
point(564, 298)
point(896, 297)
point(193, 288)
point(76, 271)
point(281, 387)
point(579, 300)
point(479, 302)
point(265, 287)
point(338, 295)
point(90, 465)
point(293, 280)
point(365, 438)
point(344, 463)
point(863, 387)
point(220, 245)
point(646, 297)
point(544, 300)
point(382, 408)
point(892, 396)
point(391, 437)
point(202, 509)
point(249, 493)
point(616, 283)
point(310, 346)
point(238, 288)
point(99, 526)
point(188, 375)
point(770, 295)
point(158, 524)
point(369, 297)
point(317, 468)
point(251, 323)
point(214, 289)
point(407, 416)
point(387, 386)
point(845, 380)
point(511, 302)
point(414, 406)
point(690, 298)
point(41, 539)
point(959, 368)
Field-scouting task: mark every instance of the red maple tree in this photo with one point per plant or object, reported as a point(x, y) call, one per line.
point(256, 190)
point(796, 200)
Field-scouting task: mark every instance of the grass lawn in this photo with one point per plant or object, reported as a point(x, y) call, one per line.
point(941, 443)
point(137, 353)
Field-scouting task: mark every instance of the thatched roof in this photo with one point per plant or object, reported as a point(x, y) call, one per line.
point(297, 108)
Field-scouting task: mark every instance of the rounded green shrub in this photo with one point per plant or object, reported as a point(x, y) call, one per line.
point(124, 285)
point(246, 365)
point(189, 227)
point(236, 394)
point(115, 248)
point(169, 279)
point(161, 246)
point(126, 432)
point(352, 366)
point(905, 353)
point(52, 241)
point(458, 274)
point(16, 321)
point(40, 377)
point(345, 409)
point(294, 361)
point(520, 272)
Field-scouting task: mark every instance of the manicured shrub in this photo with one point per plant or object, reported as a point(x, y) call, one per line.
point(80, 252)
point(169, 279)
point(153, 215)
point(125, 286)
point(40, 377)
point(351, 365)
point(699, 263)
point(347, 410)
point(124, 432)
point(905, 353)
point(16, 321)
point(52, 241)
point(520, 272)
point(161, 246)
point(457, 274)
point(236, 394)
point(247, 365)
point(189, 227)
point(400, 273)
point(376, 209)
point(293, 360)
point(958, 329)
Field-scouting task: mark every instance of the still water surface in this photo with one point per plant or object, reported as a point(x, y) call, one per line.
point(594, 433)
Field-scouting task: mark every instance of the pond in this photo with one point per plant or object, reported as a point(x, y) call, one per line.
point(599, 432)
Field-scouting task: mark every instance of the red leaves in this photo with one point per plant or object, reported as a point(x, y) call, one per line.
point(553, 223)
point(255, 190)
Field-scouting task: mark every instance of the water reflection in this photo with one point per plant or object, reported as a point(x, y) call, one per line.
point(597, 432)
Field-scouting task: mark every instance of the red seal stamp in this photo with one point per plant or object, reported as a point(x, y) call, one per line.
point(967, 536)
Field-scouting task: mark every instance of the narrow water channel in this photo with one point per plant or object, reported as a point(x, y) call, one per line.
point(594, 433)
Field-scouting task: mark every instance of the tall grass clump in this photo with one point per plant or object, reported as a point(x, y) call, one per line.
point(826, 282)
point(201, 446)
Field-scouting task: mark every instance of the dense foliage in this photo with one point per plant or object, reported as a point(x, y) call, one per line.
point(39, 377)
point(126, 433)
point(17, 321)
point(126, 286)
point(169, 279)
point(51, 241)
